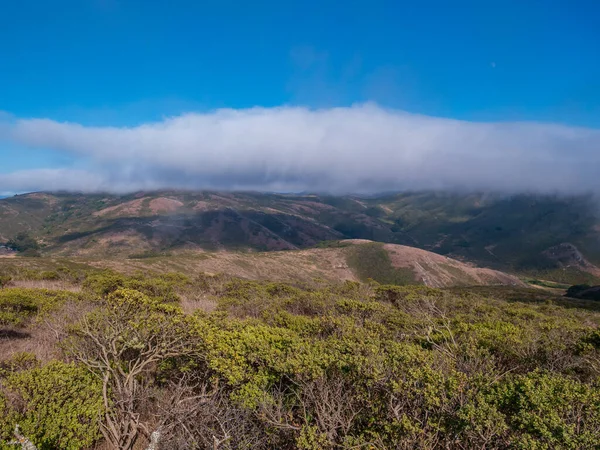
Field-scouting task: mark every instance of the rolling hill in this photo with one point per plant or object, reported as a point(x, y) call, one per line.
point(351, 260)
point(521, 233)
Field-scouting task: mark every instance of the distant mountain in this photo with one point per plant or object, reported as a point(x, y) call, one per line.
point(515, 233)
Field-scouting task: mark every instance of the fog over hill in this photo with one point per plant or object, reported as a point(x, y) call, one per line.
point(359, 149)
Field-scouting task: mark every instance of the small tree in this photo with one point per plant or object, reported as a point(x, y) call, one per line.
point(124, 343)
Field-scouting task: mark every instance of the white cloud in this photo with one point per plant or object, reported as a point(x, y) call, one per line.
point(356, 149)
point(51, 180)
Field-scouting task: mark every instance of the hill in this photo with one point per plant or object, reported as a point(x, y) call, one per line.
point(540, 235)
point(353, 260)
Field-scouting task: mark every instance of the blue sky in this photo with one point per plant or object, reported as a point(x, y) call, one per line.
point(129, 63)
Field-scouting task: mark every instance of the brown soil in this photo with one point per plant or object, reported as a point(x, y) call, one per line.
point(132, 208)
point(201, 206)
point(440, 271)
point(163, 204)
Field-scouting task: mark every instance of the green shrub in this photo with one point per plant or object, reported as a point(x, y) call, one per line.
point(104, 283)
point(576, 289)
point(57, 406)
point(30, 253)
point(341, 366)
point(549, 411)
point(18, 361)
point(162, 287)
point(18, 304)
point(4, 280)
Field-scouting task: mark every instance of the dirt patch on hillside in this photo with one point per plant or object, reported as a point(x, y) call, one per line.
point(201, 205)
point(440, 271)
point(130, 208)
point(163, 204)
point(357, 241)
point(310, 207)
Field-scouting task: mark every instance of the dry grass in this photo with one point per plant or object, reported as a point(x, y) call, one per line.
point(192, 302)
point(36, 339)
point(57, 285)
point(132, 207)
point(440, 271)
point(306, 266)
point(298, 266)
point(164, 205)
point(42, 335)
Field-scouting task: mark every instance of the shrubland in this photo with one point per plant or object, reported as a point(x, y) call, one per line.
point(141, 361)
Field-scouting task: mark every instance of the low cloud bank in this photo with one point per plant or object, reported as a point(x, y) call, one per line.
point(362, 148)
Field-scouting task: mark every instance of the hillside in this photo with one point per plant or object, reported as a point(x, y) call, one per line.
point(350, 260)
point(358, 261)
point(527, 234)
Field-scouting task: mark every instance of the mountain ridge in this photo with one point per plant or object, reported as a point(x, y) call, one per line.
point(509, 233)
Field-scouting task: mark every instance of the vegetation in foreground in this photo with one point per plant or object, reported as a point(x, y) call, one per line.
point(101, 360)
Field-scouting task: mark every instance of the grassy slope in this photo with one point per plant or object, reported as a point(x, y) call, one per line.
point(356, 261)
point(372, 262)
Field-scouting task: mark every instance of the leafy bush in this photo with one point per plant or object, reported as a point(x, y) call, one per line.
point(57, 406)
point(161, 287)
point(123, 343)
point(18, 304)
point(4, 280)
point(30, 253)
point(584, 291)
point(577, 289)
point(549, 411)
